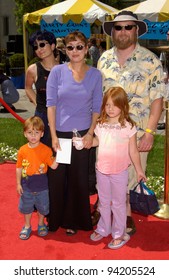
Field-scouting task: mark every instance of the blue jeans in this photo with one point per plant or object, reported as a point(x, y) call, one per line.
point(38, 199)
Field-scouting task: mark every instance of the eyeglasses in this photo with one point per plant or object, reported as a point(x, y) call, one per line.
point(41, 45)
point(126, 27)
point(78, 48)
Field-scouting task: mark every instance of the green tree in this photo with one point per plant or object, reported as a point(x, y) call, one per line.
point(118, 4)
point(28, 6)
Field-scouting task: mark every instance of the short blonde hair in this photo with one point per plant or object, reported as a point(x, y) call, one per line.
point(35, 123)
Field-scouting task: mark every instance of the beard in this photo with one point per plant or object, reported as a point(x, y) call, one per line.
point(124, 41)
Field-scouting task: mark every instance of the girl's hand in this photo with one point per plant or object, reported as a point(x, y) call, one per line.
point(141, 177)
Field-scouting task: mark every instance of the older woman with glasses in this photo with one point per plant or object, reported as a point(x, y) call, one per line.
point(43, 44)
point(74, 96)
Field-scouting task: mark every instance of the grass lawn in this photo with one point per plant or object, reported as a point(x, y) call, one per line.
point(11, 134)
point(155, 163)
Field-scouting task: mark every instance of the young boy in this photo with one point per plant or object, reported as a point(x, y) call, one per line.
point(31, 175)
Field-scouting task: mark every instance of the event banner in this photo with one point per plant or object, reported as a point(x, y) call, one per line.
point(62, 29)
point(156, 30)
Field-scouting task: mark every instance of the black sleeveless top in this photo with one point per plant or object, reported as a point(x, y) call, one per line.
point(40, 86)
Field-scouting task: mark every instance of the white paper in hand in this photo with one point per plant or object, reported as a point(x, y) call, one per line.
point(64, 156)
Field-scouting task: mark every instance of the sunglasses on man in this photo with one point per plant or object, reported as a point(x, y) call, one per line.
point(125, 27)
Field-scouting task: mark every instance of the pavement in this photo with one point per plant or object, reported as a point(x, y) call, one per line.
point(26, 109)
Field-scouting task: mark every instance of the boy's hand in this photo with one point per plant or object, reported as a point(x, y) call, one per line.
point(19, 189)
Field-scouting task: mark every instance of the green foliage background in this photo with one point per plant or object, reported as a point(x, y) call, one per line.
point(27, 6)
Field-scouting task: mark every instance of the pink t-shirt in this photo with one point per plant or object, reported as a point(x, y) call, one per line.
point(113, 151)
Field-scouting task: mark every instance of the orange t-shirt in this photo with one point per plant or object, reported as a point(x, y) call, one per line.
point(34, 160)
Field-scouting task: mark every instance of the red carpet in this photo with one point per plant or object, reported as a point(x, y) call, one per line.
point(150, 242)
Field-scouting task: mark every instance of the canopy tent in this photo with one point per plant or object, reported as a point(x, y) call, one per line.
point(152, 10)
point(75, 10)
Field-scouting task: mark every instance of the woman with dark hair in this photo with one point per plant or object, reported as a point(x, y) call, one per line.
point(74, 96)
point(43, 44)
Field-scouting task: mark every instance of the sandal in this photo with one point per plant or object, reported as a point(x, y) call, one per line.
point(95, 236)
point(113, 245)
point(71, 232)
point(25, 233)
point(42, 230)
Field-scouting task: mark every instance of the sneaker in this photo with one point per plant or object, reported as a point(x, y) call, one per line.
point(4, 110)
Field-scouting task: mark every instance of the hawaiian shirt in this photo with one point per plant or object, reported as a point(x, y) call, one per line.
point(141, 77)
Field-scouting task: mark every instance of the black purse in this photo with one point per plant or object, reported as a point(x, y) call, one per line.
point(143, 200)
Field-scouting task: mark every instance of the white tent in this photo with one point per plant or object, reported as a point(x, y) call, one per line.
point(76, 10)
point(152, 10)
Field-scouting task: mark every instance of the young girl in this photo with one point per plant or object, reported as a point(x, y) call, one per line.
point(116, 137)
